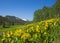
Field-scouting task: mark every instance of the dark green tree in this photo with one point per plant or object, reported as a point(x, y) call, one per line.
point(41, 14)
point(57, 8)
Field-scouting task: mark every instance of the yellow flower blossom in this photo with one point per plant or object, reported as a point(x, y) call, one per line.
point(18, 32)
point(37, 29)
point(25, 36)
point(3, 39)
point(8, 35)
point(45, 33)
point(11, 32)
point(46, 25)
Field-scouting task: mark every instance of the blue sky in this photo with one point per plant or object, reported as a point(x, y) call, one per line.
point(23, 8)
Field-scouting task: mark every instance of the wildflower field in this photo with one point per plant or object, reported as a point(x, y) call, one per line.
point(45, 31)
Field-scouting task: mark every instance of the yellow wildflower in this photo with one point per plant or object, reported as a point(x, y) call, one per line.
point(45, 33)
point(11, 32)
point(46, 25)
point(18, 32)
point(3, 39)
point(25, 36)
point(8, 35)
point(37, 29)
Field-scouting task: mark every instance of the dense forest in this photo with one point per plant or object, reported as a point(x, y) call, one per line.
point(47, 12)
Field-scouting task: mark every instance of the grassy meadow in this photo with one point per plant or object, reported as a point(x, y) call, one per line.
point(47, 31)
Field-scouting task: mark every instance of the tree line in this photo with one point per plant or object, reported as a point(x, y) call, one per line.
point(47, 12)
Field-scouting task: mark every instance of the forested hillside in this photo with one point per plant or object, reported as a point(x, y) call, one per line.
point(7, 21)
point(47, 12)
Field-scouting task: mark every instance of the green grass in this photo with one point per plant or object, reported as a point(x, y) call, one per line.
point(24, 27)
point(11, 28)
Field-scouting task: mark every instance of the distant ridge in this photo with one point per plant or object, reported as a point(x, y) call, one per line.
point(13, 19)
